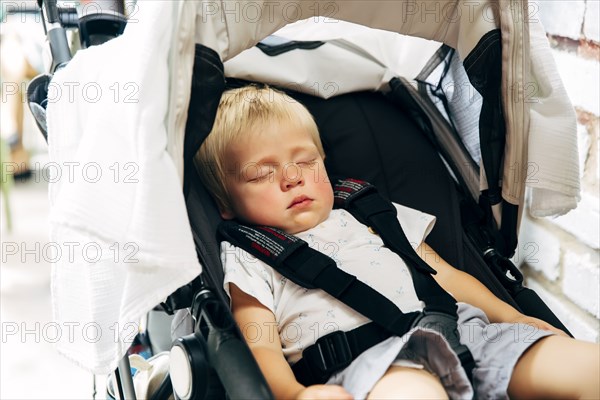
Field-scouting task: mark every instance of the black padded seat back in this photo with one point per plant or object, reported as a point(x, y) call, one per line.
point(368, 137)
point(204, 218)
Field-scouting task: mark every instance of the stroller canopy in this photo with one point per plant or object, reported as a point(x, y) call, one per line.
point(139, 122)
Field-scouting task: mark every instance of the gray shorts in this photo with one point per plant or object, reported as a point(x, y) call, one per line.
point(496, 349)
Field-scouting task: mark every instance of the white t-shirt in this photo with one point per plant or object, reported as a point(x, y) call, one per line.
point(304, 315)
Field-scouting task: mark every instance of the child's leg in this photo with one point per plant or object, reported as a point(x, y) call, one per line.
point(408, 383)
point(558, 367)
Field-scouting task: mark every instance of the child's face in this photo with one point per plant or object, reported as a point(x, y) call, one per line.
point(276, 177)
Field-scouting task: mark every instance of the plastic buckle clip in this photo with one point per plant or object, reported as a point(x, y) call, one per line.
point(329, 354)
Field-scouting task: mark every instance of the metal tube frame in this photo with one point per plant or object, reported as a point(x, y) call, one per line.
point(125, 380)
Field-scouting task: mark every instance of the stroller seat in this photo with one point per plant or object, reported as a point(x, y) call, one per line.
point(369, 136)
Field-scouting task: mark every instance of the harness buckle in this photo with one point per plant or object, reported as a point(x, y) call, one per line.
point(329, 354)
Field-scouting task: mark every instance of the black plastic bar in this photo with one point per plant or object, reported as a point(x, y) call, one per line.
point(51, 7)
point(228, 352)
point(59, 46)
point(68, 17)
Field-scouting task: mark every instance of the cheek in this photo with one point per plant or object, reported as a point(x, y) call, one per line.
point(252, 197)
point(326, 192)
point(330, 197)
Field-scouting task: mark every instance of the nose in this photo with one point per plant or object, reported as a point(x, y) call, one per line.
point(291, 178)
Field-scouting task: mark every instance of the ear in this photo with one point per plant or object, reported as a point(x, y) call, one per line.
point(226, 213)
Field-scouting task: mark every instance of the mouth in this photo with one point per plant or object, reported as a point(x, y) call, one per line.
point(300, 201)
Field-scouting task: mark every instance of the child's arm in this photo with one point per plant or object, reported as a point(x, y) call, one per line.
point(464, 287)
point(259, 328)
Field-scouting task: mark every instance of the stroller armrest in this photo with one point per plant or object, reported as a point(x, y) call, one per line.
point(216, 345)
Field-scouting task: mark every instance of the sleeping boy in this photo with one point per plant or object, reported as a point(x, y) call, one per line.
point(263, 163)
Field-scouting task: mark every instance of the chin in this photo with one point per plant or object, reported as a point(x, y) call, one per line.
point(298, 228)
point(292, 230)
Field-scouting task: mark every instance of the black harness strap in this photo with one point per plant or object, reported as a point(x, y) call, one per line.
point(307, 267)
point(362, 200)
point(295, 260)
point(365, 204)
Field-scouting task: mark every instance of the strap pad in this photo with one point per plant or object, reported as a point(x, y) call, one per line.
point(277, 249)
point(271, 245)
point(346, 190)
point(362, 200)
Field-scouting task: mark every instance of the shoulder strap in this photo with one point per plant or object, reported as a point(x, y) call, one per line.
point(363, 201)
point(307, 267)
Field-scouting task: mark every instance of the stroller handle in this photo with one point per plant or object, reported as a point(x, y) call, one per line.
point(57, 37)
point(104, 20)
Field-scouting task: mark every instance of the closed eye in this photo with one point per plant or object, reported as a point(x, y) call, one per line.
point(308, 163)
point(260, 178)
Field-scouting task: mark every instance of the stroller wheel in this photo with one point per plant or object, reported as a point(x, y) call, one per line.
point(189, 368)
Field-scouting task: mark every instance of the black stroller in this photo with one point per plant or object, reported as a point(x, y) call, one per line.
point(404, 135)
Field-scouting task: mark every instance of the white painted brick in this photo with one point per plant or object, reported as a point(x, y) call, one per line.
point(581, 280)
point(591, 29)
point(562, 17)
point(583, 222)
point(580, 328)
point(581, 78)
point(538, 248)
point(598, 156)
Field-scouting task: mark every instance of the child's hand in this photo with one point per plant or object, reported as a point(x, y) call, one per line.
point(333, 392)
point(539, 324)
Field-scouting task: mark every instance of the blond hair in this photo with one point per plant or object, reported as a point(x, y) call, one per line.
point(240, 112)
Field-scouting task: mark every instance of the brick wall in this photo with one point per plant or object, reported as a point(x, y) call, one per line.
point(560, 257)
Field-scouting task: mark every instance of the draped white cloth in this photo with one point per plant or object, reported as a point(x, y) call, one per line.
point(118, 218)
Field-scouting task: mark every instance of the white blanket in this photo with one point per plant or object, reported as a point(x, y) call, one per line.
point(118, 218)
